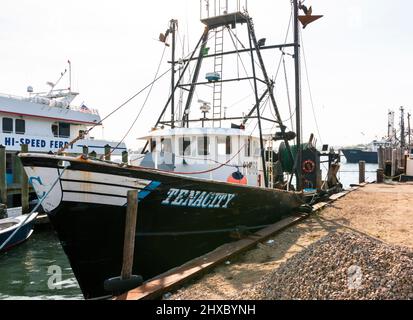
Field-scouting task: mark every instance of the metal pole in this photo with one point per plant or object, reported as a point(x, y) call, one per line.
point(173, 30)
point(297, 95)
point(257, 100)
point(25, 184)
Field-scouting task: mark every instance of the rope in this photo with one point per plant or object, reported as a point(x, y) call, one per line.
point(143, 106)
point(309, 89)
point(81, 136)
point(33, 212)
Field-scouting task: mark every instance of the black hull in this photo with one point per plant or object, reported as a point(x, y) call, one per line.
point(167, 235)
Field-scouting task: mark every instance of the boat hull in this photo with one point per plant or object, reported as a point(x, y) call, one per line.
point(179, 218)
point(25, 230)
point(355, 156)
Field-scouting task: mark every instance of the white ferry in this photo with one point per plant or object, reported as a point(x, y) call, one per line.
point(46, 122)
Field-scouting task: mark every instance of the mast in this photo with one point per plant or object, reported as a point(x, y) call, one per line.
point(297, 94)
point(402, 129)
point(173, 30)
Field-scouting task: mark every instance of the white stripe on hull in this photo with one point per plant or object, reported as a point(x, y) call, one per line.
point(94, 198)
point(95, 188)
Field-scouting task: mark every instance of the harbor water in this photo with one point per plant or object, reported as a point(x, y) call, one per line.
point(39, 269)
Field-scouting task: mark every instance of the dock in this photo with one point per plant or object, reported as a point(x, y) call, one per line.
point(176, 278)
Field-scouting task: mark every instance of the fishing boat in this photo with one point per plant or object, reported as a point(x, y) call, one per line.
point(8, 228)
point(200, 184)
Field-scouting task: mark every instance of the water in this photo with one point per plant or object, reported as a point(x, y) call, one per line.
point(26, 271)
point(37, 269)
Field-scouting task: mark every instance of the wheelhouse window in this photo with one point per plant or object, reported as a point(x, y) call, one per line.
point(224, 146)
point(7, 125)
point(153, 145)
point(185, 146)
point(20, 126)
point(203, 146)
point(166, 145)
point(248, 147)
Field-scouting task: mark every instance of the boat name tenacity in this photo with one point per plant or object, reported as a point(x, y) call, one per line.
point(198, 199)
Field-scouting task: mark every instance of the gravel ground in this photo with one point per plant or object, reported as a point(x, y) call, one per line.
point(340, 266)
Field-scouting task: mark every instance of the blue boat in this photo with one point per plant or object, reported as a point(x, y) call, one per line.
point(9, 225)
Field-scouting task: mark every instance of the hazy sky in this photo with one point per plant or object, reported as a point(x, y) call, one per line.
point(358, 56)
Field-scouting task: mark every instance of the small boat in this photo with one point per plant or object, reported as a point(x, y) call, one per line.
point(9, 225)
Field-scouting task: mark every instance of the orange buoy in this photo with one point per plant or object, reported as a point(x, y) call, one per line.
point(237, 178)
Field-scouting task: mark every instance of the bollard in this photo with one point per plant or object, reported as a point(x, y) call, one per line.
point(85, 151)
point(107, 152)
point(3, 181)
point(24, 184)
point(380, 175)
point(362, 172)
point(125, 155)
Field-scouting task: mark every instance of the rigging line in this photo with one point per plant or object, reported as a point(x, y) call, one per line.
point(288, 93)
point(309, 88)
point(143, 105)
point(81, 136)
point(242, 62)
point(264, 106)
point(285, 41)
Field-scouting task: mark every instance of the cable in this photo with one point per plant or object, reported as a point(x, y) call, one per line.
point(143, 105)
point(309, 88)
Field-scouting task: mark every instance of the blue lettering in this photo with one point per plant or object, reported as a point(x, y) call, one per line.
point(7, 142)
point(37, 143)
point(43, 144)
point(61, 144)
point(22, 141)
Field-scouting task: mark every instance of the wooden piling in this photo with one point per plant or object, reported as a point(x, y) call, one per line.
point(380, 175)
point(130, 229)
point(125, 155)
point(3, 180)
point(382, 157)
point(24, 184)
point(362, 172)
point(394, 165)
point(107, 152)
point(17, 170)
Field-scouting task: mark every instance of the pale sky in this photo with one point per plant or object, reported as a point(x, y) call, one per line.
point(358, 56)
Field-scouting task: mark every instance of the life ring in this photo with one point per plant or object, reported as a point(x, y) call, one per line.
point(308, 166)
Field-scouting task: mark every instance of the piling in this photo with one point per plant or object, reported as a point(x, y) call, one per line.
point(25, 184)
point(107, 152)
point(125, 155)
point(380, 176)
point(381, 155)
point(17, 170)
point(3, 181)
point(130, 229)
point(362, 172)
point(394, 165)
point(388, 169)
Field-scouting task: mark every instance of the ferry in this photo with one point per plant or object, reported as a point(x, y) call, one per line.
point(46, 122)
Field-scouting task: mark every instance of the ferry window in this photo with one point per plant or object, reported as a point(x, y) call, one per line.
point(224, 146)
point(20, 126)
point(166, 145)
point(185, 146)
point(256, 148)
point(7, 125)
point(55, 130)
point(248, 147)
point(64, 130)
point(153, 145)
point(203, 146)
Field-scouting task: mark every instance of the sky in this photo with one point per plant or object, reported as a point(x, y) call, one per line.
point(358, 57)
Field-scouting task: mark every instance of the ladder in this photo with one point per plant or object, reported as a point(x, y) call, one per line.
point(270, 165)
point(218, 65)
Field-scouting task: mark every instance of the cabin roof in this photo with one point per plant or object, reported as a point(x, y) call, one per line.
point(196, 132)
